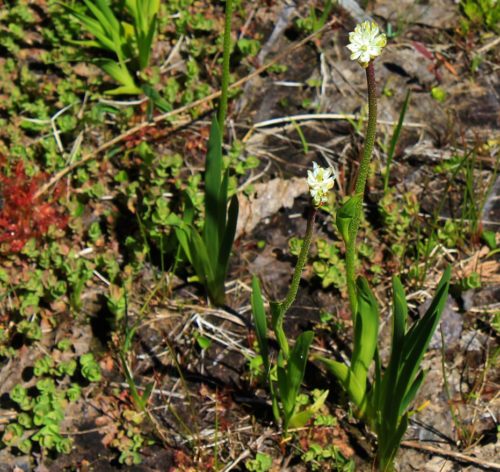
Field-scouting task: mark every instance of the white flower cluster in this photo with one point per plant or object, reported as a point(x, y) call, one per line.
point(366, 42)
point(320, 182)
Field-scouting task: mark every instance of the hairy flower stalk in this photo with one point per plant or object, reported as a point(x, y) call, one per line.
point(301, 261)
point(366, 44)
point(320, 181)
point(225, 64)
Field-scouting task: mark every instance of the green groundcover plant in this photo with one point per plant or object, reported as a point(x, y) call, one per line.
point(130, 43)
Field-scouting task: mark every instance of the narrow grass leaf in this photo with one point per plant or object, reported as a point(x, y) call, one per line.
point(120, 74)
point(100, 16)
point(146, 43)
point(222, 205)
point(132, 7)
point(201, 259)
point(384, 399)
point(93, 27)
point(395, 139)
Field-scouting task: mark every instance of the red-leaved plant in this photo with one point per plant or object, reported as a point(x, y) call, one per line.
point(22, 216)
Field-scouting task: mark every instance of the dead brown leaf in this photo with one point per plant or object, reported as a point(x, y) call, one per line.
point(268, 198)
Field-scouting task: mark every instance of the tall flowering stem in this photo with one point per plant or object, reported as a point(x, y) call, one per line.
point(304, 251)
point(364, 168)
point(225, 64)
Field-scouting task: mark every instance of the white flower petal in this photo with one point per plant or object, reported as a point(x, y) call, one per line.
point(320, 181)
point(366, 42)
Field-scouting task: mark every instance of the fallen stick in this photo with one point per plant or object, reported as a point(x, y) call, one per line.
point(452, 454)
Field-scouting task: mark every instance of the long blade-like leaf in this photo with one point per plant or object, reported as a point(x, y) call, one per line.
point(418, 337)
point(412, 392)
point(285, 394)
point(400, 314)
point(213, 175)
point(346, 377)
point(108, 13)
point(366, 331)
point(290, 378)
point(99, 15)
point(389, 445)
point(277, 324)
point(298, 361)
point(201, 259)
point(259, 316)
point(385, 389)
point(121, 74)
point(395, 139)
point(227, 240)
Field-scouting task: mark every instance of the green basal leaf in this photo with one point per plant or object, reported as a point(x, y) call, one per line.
point(412, 392)
point(259, 315)
point(290, 378)
point(400, 315)
point(348, 380)
point(201, 258)
point(298, 360)
point(389, 445)
point(213, 177)
point(418, 337)
point(277, 324)
point(366, 332)
point(119, 73)
point(105, 12)
point(227, 240)
point(285, 395)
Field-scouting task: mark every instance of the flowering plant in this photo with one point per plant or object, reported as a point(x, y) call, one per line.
point(320, 182)
point(286, 374)
point(384, 401)
point(366, 42)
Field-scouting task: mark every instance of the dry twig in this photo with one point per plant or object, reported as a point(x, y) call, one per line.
point(458, 456)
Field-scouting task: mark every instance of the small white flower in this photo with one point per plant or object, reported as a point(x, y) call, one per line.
point(320, 182)
point(366, 42)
